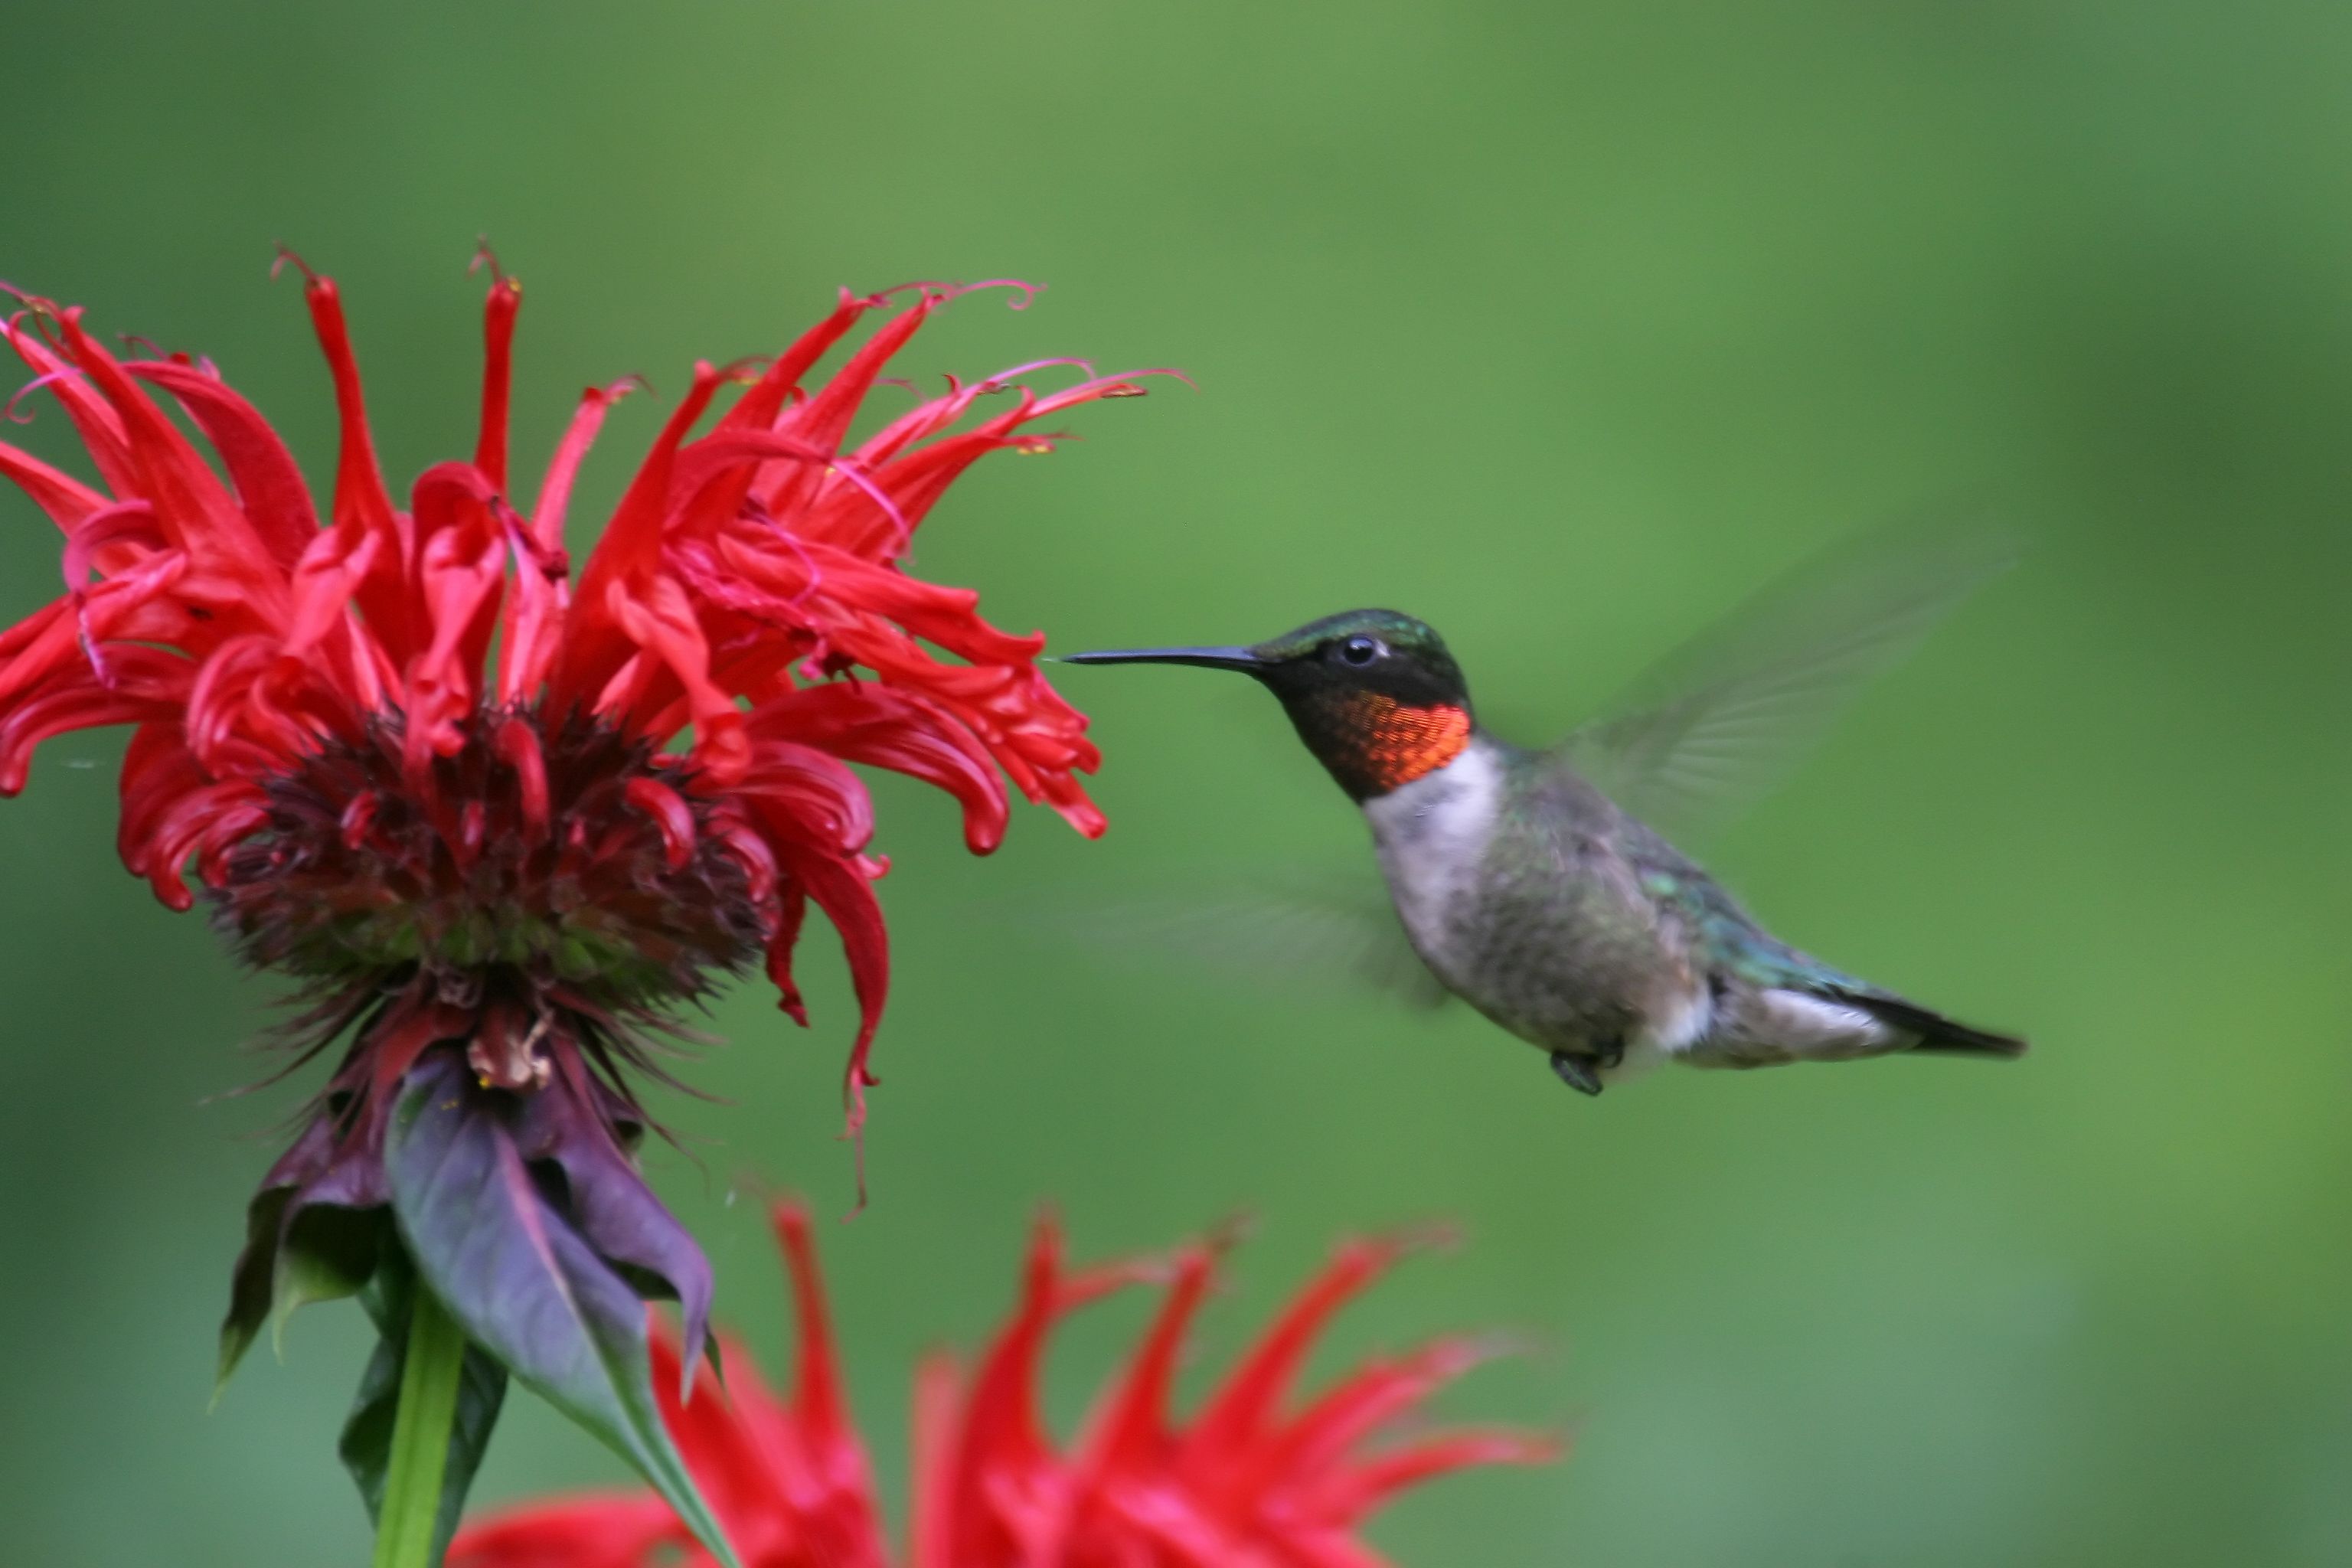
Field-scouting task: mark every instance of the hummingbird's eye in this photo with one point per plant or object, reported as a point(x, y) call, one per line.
point(1361, 650)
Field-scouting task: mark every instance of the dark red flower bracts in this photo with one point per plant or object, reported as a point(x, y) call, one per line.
point(1253, 1477)
point(501, 819)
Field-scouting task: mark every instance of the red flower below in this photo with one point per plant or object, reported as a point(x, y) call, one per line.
point(1253, 1480)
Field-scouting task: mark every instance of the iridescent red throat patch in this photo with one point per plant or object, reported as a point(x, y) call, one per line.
point(1373, 743)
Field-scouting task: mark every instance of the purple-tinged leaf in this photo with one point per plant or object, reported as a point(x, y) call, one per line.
point(522, 1281)
point(611, 1206)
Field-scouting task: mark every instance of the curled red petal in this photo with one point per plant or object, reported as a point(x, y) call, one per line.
point(670, 814)
point(94, 421)
point(862, 722)
point(518, 746)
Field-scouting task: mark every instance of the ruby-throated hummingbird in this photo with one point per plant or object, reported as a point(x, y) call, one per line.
point(1537, 896)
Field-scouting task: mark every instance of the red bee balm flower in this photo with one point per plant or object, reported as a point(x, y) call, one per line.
point(1251, 1480)
point(419, 765)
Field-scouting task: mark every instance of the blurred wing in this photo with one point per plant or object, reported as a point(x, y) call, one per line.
point(1718, 722)
point(1302, 933)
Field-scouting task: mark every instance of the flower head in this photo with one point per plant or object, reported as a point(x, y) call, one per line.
point(1254, 1478)
point(501, 818)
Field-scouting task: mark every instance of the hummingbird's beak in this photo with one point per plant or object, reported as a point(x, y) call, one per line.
point(1239, 659)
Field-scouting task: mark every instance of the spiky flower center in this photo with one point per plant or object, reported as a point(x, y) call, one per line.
point(555, 854)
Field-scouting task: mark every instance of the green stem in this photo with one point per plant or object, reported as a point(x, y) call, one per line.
point(429, 1376)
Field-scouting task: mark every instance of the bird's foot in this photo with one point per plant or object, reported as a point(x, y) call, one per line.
point(1580, 1073)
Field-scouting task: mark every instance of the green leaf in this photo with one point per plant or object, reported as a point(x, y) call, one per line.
point(366, 1445)
point(250, 1287)
point(329, 1253)
point(255, 1284)
point(512, 1270)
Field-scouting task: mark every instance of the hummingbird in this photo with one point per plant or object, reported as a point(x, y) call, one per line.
point(1538, 895)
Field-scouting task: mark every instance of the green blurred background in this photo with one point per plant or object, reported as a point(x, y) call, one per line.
point(1561, 325)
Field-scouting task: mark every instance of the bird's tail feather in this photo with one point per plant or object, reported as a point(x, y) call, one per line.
point(1936, 1032)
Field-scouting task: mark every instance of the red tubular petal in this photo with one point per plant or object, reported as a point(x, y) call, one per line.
point(497, 376)
point(788, 1479)
point(536, 603)
point(750, 852)
point(1001, 1426)
point(555, 490)
point(196, 512)
point(1122, 384)
point(661, 622)
point(1377, 1481)
point(51, 641)
point(670, 814)
point(137, 606)
point(914, 483)
point(100, 431)
point(270, 486)
point(809, 582)
point(357, 818)
point(593, 644)
point(157, 769)
point(1329, 1549)
point(1364, 1402)
point(792, 910)
point(518, 746)
point(862, 722)
point(938, 1395)
point(327, 580)
point(536, 609)
point(828, 806)
point(473, 828)
point(99, 537)
point(716, 1430)
point(841, 889)
point(1134, 1425)
point(182, 823)
point(713, 471)
point(921, 423)
point(402, 1035)
point(592, 1530)
point(1251, 1392)
point(54, 712)
point(1003, 1495)
point(65, 498)
point(229, 707)
point(361, 500)
point(817, 1397)
point(359, 480)
point(30, 633)
point(824, 419)
point(761, 404)
point(460, 577)
point(157, 674)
